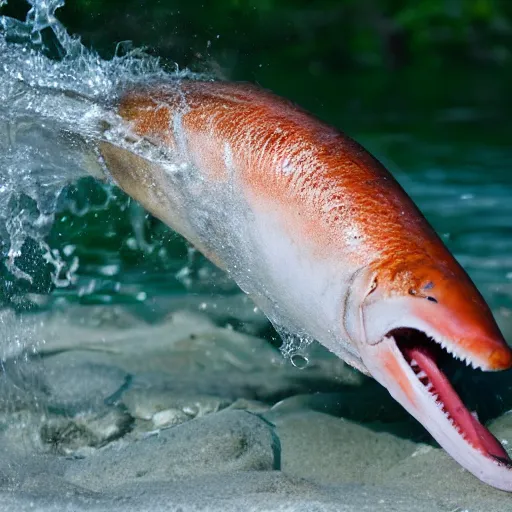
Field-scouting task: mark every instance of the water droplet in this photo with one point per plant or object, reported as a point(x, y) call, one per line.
point(299, 361)
point(109, 270)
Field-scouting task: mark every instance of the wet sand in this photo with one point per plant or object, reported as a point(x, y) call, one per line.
point(118, 412)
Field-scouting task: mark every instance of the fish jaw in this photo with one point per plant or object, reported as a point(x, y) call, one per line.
point(440, 411)
point(401, 349)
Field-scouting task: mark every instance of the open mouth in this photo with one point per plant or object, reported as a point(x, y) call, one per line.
point(424, 355)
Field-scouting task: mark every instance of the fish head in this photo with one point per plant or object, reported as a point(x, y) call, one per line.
point(405, 324)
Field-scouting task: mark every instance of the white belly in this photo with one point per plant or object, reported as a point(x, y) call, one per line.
point(303, 296)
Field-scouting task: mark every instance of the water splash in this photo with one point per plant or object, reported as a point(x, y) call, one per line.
point(52, 104)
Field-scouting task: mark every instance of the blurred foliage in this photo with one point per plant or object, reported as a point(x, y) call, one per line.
point(313, 33)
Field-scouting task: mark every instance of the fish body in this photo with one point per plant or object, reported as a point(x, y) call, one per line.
point(323, 239)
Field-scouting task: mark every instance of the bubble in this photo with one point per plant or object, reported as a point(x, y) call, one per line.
point(109, 270)
point(300, 361)
point(294, 346)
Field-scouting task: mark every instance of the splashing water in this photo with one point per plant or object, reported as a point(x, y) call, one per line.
point(53, 104)
point(50, 109)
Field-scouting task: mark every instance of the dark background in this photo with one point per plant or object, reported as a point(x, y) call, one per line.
point(313, 34)
point(387, 40)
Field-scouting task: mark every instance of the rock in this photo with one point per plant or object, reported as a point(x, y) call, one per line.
point(219, 443)
point(22, 385)
point(79, 380)
point(69, 435)
point(145, 403)
point(169, 418)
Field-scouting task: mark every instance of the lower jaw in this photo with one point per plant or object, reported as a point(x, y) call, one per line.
point(419, 349)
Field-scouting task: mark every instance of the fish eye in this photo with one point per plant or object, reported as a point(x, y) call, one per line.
point(414, 293)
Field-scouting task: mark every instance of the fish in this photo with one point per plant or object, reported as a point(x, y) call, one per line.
point(324, 240)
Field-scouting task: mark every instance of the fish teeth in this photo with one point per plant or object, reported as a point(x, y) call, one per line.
point(421, 375)
point(452, 350)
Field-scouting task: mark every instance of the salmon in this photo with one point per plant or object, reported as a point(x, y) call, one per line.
point(323, 239)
